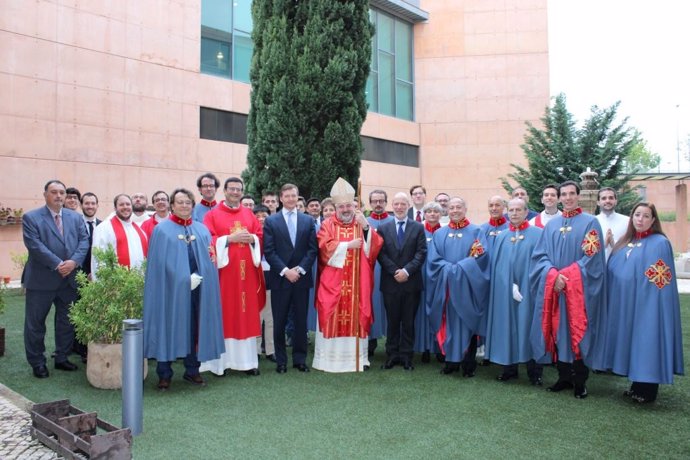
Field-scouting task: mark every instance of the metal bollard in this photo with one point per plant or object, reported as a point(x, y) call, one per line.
point(133, 375)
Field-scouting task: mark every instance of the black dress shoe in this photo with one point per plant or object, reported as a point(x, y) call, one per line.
point(449, 368)
point(580, 391)
point(41, 372)
point(366, 368)
point(407, 365)
point(252, 372)
point(163, 384)
point(281, 368)
point(194, 379)
point(504, 377)
point(389, 364)
point(559, 386)
point(301, 367)
point(469, 368)
point(440, 357)
point(536, 381)
point(66, 366)
point(271, 358)
point(426, 357)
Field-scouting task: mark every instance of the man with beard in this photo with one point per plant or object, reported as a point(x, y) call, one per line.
point(139, 204)
point(378, 199)
point(458, 289)
point(347, 252)
point(207, 184)
point(237, 237)
point(89, 207)
point(613, 225)
point(126, 237)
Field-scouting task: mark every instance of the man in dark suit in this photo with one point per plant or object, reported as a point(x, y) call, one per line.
point(290, 249)
point(57, 242)
point(401, 258)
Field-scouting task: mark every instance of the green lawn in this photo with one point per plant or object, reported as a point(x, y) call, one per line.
point(376, 414)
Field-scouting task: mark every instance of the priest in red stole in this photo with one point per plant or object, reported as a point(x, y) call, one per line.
point(347, 254)
point(126, 237)
point(237, 237)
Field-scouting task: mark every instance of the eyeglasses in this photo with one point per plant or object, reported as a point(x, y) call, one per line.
point(183, 203)
point(159, 200)
point(378, 201)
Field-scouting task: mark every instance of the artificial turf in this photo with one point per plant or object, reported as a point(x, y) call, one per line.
point(375, 414)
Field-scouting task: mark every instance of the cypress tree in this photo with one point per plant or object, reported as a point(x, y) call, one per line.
point(309, 70)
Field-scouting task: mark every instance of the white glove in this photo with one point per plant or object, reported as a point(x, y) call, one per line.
point(196, 280)
point(516, 293)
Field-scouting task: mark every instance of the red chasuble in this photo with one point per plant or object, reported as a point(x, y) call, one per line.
point(336, 296)
point(242, 287)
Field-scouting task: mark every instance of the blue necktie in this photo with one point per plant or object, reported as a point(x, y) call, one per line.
point(291, 226)
point(401, 234)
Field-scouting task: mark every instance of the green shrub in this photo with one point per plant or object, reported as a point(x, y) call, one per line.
point(116, 294)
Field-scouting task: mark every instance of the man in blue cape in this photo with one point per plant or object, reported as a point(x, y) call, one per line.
point(511, 305)
point(182, 312)
point(568, 285)
point(458, 289)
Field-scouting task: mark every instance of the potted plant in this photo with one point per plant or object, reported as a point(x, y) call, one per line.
point(18, 215)
point(115, 294)
point(4, 215)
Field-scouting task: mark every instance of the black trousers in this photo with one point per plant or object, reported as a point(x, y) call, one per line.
point(401, 308)
point(283, 301)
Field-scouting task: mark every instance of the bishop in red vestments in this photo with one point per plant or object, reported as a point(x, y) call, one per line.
point(347, 253)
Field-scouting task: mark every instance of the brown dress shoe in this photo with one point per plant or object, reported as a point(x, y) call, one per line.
point(195, 379)
point(163, 384)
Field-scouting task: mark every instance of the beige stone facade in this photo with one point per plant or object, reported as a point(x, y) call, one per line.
point(105, 96)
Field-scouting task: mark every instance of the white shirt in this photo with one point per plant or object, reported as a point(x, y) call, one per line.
point(545, 218)
point(104, 236)
point(618, 223)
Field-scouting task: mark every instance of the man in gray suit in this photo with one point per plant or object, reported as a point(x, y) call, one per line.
point(57, 242)
point(402, 258)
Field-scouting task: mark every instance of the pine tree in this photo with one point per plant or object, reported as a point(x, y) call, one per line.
point(308, 75)
point(561, 151)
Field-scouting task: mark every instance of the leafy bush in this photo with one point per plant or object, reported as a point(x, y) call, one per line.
point(116, 294)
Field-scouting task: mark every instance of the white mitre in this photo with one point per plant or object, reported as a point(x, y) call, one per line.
point(342, 192)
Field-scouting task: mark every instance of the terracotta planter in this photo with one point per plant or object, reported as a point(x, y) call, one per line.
point(6, 279)
point(104, 365)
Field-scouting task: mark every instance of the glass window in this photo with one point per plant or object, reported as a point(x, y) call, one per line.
point(390, 86)
point(243, 57)
point(226, 45)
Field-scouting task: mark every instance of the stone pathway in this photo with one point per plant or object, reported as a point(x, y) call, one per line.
point(15, 423)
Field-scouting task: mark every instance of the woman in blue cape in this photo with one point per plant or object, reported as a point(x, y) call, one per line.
point(644, 340)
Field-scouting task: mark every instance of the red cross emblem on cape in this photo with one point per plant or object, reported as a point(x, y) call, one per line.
point(591, 244)
point(659, 274)
point(477, 249)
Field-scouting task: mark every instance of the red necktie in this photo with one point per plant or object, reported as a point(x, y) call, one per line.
point(419, 216)
point(58, 223)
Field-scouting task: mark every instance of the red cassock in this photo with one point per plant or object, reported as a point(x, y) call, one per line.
point(242, 286)
point(342, 290)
